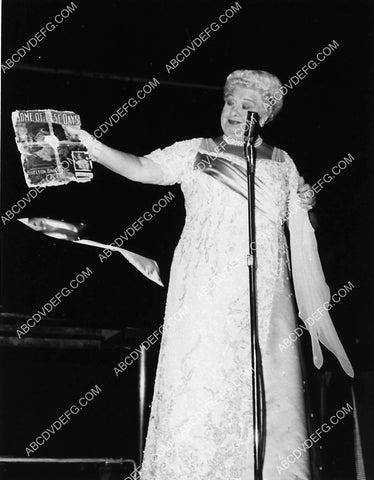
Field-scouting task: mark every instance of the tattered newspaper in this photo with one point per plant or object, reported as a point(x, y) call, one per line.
point(49, 154)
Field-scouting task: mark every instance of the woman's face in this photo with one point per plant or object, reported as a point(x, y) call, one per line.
point(234, 114)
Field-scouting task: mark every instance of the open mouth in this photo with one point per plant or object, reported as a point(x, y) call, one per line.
point(234, 122)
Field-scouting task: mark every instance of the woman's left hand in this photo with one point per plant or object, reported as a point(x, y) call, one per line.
point(306, 195)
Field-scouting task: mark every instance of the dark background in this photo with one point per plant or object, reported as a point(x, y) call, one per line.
point(100, 56)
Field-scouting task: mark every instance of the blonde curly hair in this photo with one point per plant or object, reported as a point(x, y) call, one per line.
point(265, 83)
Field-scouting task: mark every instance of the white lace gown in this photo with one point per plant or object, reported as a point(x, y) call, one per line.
point(200, 425)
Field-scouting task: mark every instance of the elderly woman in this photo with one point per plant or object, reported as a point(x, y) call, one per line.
point(200, 426)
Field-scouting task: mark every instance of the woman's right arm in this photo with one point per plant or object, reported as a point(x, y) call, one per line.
point(138, 169)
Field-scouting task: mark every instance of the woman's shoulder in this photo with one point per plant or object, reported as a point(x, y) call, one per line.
point(281, 155)
point(290, 165)
point(266, 151)
point(274, 152)
point(183, 148)
point(188, 143)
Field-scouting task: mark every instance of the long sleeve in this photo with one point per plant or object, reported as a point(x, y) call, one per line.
point(311, 290)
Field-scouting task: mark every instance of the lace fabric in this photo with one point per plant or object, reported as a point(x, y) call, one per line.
point(200, 425)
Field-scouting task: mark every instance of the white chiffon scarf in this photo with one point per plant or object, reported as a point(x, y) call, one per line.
point(311, 290)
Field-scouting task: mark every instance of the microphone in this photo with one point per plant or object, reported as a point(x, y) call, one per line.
point(252, 126)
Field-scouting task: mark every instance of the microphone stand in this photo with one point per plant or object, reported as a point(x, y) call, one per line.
point(258, 391)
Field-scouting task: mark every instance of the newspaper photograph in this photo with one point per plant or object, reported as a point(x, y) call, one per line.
point(50, 156)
